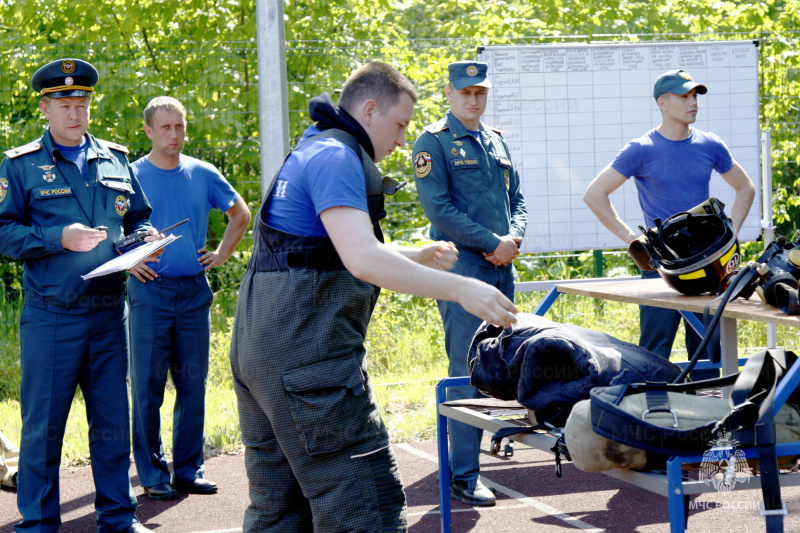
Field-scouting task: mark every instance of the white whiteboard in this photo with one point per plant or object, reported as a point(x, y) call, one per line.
point(567, 110)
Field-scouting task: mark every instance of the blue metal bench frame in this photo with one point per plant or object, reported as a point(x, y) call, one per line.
point(675, 491)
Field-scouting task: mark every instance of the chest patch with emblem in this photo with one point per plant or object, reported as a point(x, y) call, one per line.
point(48, 176)
point(121, 205)
point(422, 164)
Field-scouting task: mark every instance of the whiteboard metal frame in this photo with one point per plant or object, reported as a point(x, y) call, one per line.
point(753, 228)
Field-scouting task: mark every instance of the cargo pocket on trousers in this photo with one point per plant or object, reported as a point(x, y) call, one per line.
point(330, 406)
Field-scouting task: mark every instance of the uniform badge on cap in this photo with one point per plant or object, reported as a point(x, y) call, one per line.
point(49, 177)
point(472, 70)
point(68, 66)
point(422, 164)
point(685, 75)
point(3, 188)
point(121, 205)
point(64, 78)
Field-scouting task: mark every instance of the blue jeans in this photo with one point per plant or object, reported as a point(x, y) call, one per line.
point(170, 331)
point(658, 327)
point(459, 328)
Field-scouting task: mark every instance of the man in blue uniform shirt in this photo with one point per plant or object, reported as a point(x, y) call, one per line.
point(65, 199)
point(317, 452)
point(470, 191)
point(170, 303)
point(671, 166)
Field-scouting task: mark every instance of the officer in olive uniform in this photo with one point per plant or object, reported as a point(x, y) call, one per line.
point(471, 193)
point(64, 199)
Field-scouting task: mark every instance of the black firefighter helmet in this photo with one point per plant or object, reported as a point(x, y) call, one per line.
point(693, 251)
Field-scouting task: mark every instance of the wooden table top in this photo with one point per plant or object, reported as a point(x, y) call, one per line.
point(657, 293)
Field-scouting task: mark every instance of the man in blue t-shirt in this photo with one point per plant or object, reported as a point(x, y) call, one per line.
point(170, 302)
point(671, 166)
point(318, 453)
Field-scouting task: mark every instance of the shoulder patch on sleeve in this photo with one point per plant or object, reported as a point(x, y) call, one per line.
point(24, 149)
point(436, 127)
point(114, 146)
point(422, 164)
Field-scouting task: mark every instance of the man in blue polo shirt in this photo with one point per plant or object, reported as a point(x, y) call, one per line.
point(170, 302)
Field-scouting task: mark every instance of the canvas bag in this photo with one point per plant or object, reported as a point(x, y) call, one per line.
point(646, 416)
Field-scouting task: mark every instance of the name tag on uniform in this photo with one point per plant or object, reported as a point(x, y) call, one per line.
point(504, 162)
point(465, 163)
point(52, 192)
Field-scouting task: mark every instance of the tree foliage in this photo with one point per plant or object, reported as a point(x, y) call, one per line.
point(203, 52)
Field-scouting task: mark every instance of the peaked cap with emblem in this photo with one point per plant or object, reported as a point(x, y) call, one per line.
point(677, 82)
point(468, 74)
point(63, 78)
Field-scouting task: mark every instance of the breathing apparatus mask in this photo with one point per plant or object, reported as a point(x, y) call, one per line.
point(694, 251)
point(774, 276)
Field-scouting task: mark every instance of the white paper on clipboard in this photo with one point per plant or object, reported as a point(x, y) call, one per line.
point(128, 259)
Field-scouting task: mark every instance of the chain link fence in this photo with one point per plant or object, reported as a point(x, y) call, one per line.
point(218, 84)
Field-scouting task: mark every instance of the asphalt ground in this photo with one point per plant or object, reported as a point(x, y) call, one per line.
point(530, 499)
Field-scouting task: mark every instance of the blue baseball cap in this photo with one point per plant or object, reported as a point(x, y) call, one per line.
point(676, 82)
point(468, 74)
point(63, 78)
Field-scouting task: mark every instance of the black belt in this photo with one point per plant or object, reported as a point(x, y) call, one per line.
point(316, 259)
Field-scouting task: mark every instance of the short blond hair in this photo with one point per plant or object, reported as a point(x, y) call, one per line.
point(167, 103)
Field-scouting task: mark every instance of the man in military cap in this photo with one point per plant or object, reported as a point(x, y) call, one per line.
point(67, 197)
point(470, 191)
point(671, 166)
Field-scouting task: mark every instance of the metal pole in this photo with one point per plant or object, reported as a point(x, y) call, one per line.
point(766, 221)
point(273, 101)
point(598, 263)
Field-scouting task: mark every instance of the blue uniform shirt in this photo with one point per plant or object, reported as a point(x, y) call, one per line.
point(41, 192)
point(469, 188)
point(190, 191)
point(672, 176)
point(318, 175)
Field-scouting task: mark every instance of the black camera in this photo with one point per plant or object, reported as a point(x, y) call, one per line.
point(775, 276)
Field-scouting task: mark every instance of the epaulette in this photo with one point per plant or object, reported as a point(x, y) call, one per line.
point(437, 127)
point(114, 146)
point(501, 132)
point(24, 149)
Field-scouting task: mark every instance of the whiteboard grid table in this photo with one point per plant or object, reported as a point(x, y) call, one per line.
point(567, 110)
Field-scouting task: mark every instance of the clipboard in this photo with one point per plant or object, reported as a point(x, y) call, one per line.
point(128, 259)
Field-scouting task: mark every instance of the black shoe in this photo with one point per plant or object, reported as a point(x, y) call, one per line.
point(472, 492)
point(197, 486)
point(161, 492)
